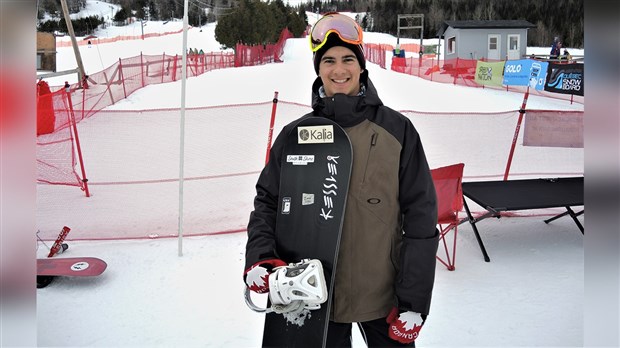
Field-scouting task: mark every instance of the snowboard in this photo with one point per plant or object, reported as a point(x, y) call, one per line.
point(314, 180)
point(47, 269)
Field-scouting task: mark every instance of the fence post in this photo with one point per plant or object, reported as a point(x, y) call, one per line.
point(77, 140)
point(122, 76)
point(273, 118)
point(163, 66)
point(514, 138)
point(108, 85)
point(142, 66)
point(174, 74)
point(456, 71)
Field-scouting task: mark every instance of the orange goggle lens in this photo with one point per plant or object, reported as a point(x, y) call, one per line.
point(345, 27)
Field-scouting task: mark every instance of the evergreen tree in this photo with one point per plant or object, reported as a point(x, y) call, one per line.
point(140, 7)
point(122, 15)
point(153, 12)
point(255, 22)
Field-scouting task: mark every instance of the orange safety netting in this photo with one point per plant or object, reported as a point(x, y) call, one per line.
point(131, 157)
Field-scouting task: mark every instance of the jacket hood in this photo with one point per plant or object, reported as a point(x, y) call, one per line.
point(346, 110)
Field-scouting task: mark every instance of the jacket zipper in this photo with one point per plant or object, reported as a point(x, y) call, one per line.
point(373, 142)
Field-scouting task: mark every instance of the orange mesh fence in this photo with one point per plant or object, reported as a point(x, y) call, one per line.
point(132, 162)
point(261, 54)
point(117, 82)
point(135, 183)
point(485, 150)
point(120, 80)
point(132, 158)
point(410, 47)
point(375, 53)
point(56, 159)
point(460, 71)
point(67, 42)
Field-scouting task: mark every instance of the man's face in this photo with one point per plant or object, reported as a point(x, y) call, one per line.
point(340, 71)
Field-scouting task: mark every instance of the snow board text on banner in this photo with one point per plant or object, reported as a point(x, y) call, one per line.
point(525, 72)
point(489, 73)
point(553, 129)
point(565, 78)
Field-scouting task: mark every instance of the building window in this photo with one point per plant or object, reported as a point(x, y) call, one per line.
point(452, 45)
point(39, 59)
point(492, 42)
point(513, 42)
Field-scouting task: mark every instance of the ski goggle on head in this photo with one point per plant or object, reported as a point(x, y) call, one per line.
point(344, 26)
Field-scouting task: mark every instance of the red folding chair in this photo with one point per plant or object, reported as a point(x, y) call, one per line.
point(447, 182)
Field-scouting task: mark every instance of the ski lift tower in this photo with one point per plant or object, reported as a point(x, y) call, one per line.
point(76, 50)
point(409, 21)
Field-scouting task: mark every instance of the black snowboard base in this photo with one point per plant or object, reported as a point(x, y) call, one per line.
point(314, 180)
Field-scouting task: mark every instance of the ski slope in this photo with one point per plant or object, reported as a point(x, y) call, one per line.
point(530, 294)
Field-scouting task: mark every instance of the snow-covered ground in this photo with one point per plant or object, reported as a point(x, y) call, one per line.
point(530, 294)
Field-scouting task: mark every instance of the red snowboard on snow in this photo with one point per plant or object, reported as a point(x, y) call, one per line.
point(47, 269)
point(71, 266)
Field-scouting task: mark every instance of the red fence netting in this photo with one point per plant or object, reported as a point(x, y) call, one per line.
point(132, 157)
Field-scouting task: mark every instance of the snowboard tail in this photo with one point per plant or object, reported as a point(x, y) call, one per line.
point(314, 180)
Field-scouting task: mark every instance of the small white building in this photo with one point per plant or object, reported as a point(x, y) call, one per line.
point(490, 40)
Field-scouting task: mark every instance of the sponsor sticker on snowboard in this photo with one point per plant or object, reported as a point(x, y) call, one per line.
point(315, 134)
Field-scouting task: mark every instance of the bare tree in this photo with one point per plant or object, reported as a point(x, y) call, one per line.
point(489, 11)
point(435, 15)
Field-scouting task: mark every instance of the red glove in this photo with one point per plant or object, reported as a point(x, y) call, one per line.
point(257, 276)
point(404, 326)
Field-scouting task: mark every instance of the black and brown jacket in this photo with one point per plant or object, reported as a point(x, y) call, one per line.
point(389, 238)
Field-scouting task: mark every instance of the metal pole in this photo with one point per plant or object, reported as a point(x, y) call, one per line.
point(76, 50)
point(182, 140)
point(273, 118)
point(516, 135)
point(77, 140)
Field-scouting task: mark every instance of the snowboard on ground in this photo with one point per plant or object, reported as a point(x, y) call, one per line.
point(47, 269)
point(314, 180)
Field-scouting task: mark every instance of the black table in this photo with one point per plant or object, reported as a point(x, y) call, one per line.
point(510, 195)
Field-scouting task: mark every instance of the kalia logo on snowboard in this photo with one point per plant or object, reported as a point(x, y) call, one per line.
point(315, 134)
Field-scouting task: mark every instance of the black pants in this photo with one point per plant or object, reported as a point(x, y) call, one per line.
point(375, 333)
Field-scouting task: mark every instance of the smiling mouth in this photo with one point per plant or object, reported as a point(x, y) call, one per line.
point(340, 80)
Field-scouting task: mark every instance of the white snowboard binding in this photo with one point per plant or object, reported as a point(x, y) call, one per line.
point(294, 288)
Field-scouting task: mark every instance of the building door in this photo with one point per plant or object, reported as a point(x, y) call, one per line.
point(514, 47)
point(493, 47)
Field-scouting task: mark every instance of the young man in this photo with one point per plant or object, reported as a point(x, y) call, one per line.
point(386, 262)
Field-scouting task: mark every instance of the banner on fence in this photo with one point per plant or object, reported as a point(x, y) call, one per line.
point(525, 72)
point(489, 74)
point(553, 129)
point(565, 78)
